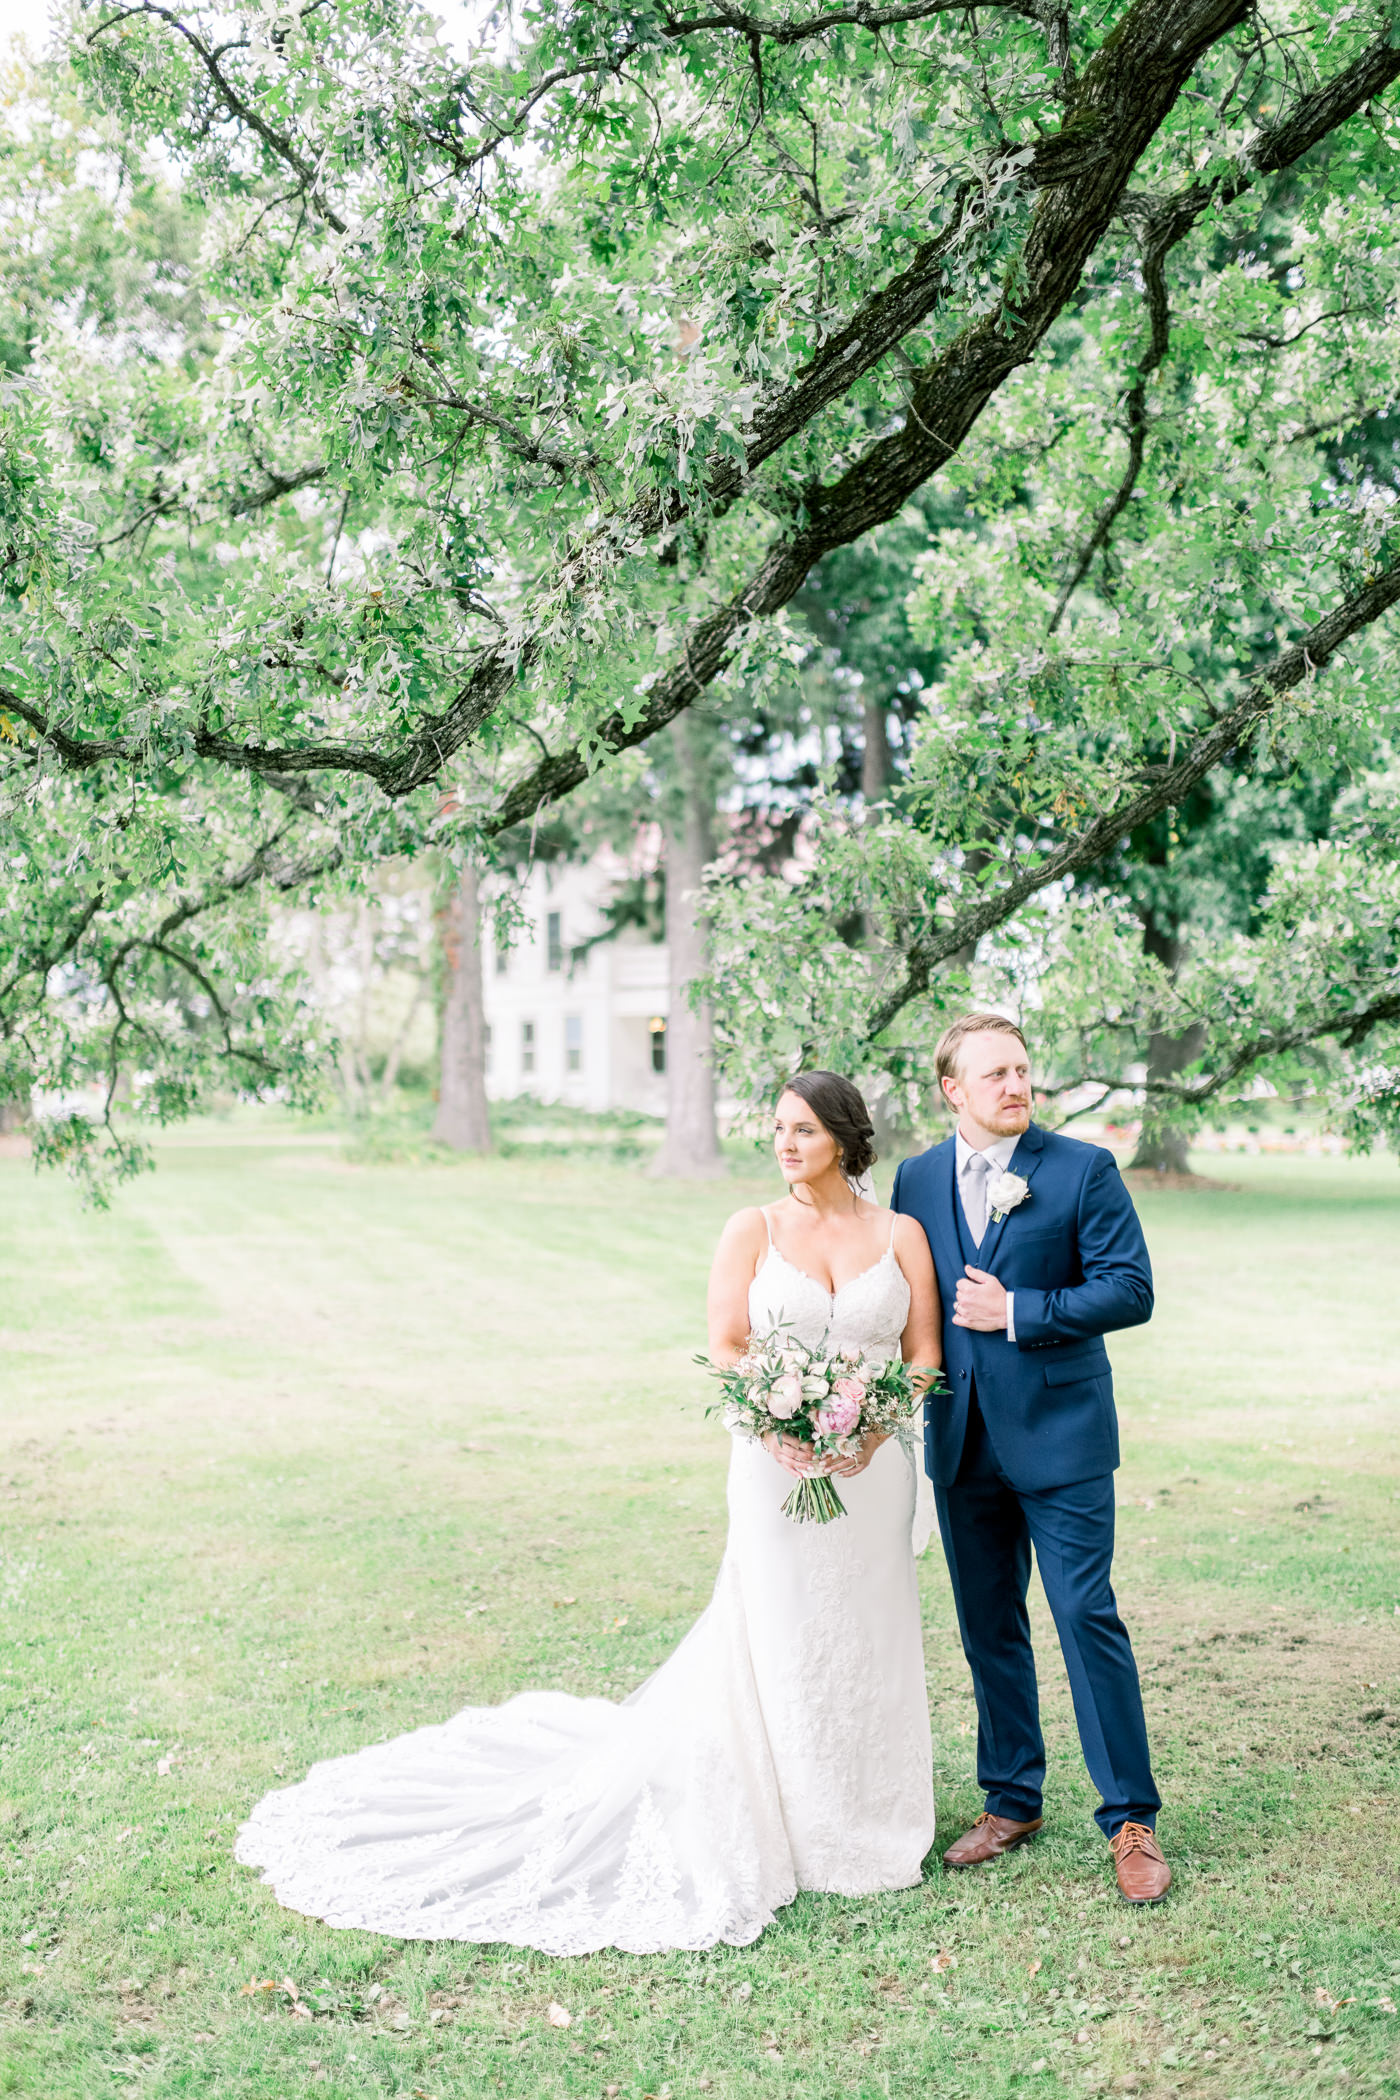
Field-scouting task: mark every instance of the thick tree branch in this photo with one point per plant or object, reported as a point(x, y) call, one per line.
point(1275, 147)
point(1160, 789)
point(1081, 173)
point(1125, 93)
point(1123, 97)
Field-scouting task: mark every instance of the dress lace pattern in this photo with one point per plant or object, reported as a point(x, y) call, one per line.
point(783, 1746)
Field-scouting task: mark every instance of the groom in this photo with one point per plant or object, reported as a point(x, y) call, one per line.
point(1039, 1254)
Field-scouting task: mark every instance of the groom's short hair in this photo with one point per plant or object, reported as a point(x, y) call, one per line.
point(946, 1056)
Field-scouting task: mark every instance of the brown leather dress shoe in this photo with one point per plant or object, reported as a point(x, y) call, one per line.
point(1143, 1874)
point(988, 1838)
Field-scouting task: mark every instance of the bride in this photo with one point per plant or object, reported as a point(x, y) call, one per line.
point(783, 1746)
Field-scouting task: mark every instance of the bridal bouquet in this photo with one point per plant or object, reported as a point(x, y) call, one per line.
point(825, 1397)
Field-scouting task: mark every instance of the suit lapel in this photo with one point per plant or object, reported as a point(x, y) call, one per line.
point(1024, 1161)
point(945, 1205)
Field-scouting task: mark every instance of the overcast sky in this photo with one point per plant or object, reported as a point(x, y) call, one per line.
point(30, 18)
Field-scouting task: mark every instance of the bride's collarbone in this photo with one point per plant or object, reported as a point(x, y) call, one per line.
point(817, 1249)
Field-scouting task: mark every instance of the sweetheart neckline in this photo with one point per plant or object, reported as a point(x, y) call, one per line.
point(775, 1249)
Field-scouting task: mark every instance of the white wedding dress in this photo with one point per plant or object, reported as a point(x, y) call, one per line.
point(783, 1746)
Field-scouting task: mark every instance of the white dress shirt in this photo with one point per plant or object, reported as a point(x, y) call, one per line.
point(1000, 1154)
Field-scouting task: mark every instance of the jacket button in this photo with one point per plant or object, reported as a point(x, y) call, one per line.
point(962, 1374)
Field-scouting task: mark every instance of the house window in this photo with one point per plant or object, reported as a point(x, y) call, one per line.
point(527, 1046)
point(554, 940)
point(502, 958)
point(573, 1042)
point(658, 1043)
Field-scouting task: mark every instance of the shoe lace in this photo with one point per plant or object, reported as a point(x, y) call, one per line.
point(1133, 1837)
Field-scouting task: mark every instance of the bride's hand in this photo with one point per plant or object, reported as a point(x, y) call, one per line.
point(791, 1453)
point(857, 1461)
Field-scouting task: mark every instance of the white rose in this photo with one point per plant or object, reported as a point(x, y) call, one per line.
point(785, 1397)
point(1004, 1192)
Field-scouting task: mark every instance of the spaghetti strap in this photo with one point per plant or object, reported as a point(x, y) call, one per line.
point(894, 1220)
point(768, 1222)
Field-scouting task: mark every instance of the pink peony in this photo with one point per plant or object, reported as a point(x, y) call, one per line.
point(785, 1396)
point(852, 1389)
point(840, 1415)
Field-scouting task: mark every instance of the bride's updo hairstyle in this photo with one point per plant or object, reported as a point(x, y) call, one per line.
point(840, 1109)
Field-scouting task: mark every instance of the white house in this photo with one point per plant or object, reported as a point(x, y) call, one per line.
point(586, 1029)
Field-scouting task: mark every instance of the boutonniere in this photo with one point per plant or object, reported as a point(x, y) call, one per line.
point(1004, 1193)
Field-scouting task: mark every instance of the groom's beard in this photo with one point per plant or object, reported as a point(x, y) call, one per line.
point(1014, 1116)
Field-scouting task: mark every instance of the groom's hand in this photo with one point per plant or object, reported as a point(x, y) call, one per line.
point(981, 1303)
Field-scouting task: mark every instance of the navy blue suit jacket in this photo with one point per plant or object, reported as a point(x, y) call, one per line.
point(1074, 1254)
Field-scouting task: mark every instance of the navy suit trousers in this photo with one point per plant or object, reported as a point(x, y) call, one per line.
point(989, 1528)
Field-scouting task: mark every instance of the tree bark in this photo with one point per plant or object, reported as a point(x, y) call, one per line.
point(875, 757)
point(1162, 1145)
point(462, 1120)
point(691, 1145)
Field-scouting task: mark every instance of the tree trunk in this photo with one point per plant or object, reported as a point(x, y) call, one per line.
point(462, 1119)
point(691, 1145)
point(875, 765)
point(1162, 1145)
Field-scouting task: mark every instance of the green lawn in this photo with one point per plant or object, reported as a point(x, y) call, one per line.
point(299, 1453)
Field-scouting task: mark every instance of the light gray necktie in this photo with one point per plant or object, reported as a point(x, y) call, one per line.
point(975, 1177)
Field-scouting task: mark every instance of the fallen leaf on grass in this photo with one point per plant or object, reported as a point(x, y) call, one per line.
point(560, 1602)
point(1332, 2004)
point(619, 1622)
point(270, 1983)
point(943, 1960)
point(1385, 2005)
point(163, 1765)
point(1035, 1968)
point(558, 2017)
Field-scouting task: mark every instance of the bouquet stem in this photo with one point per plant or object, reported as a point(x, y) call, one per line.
point(814, 1501)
